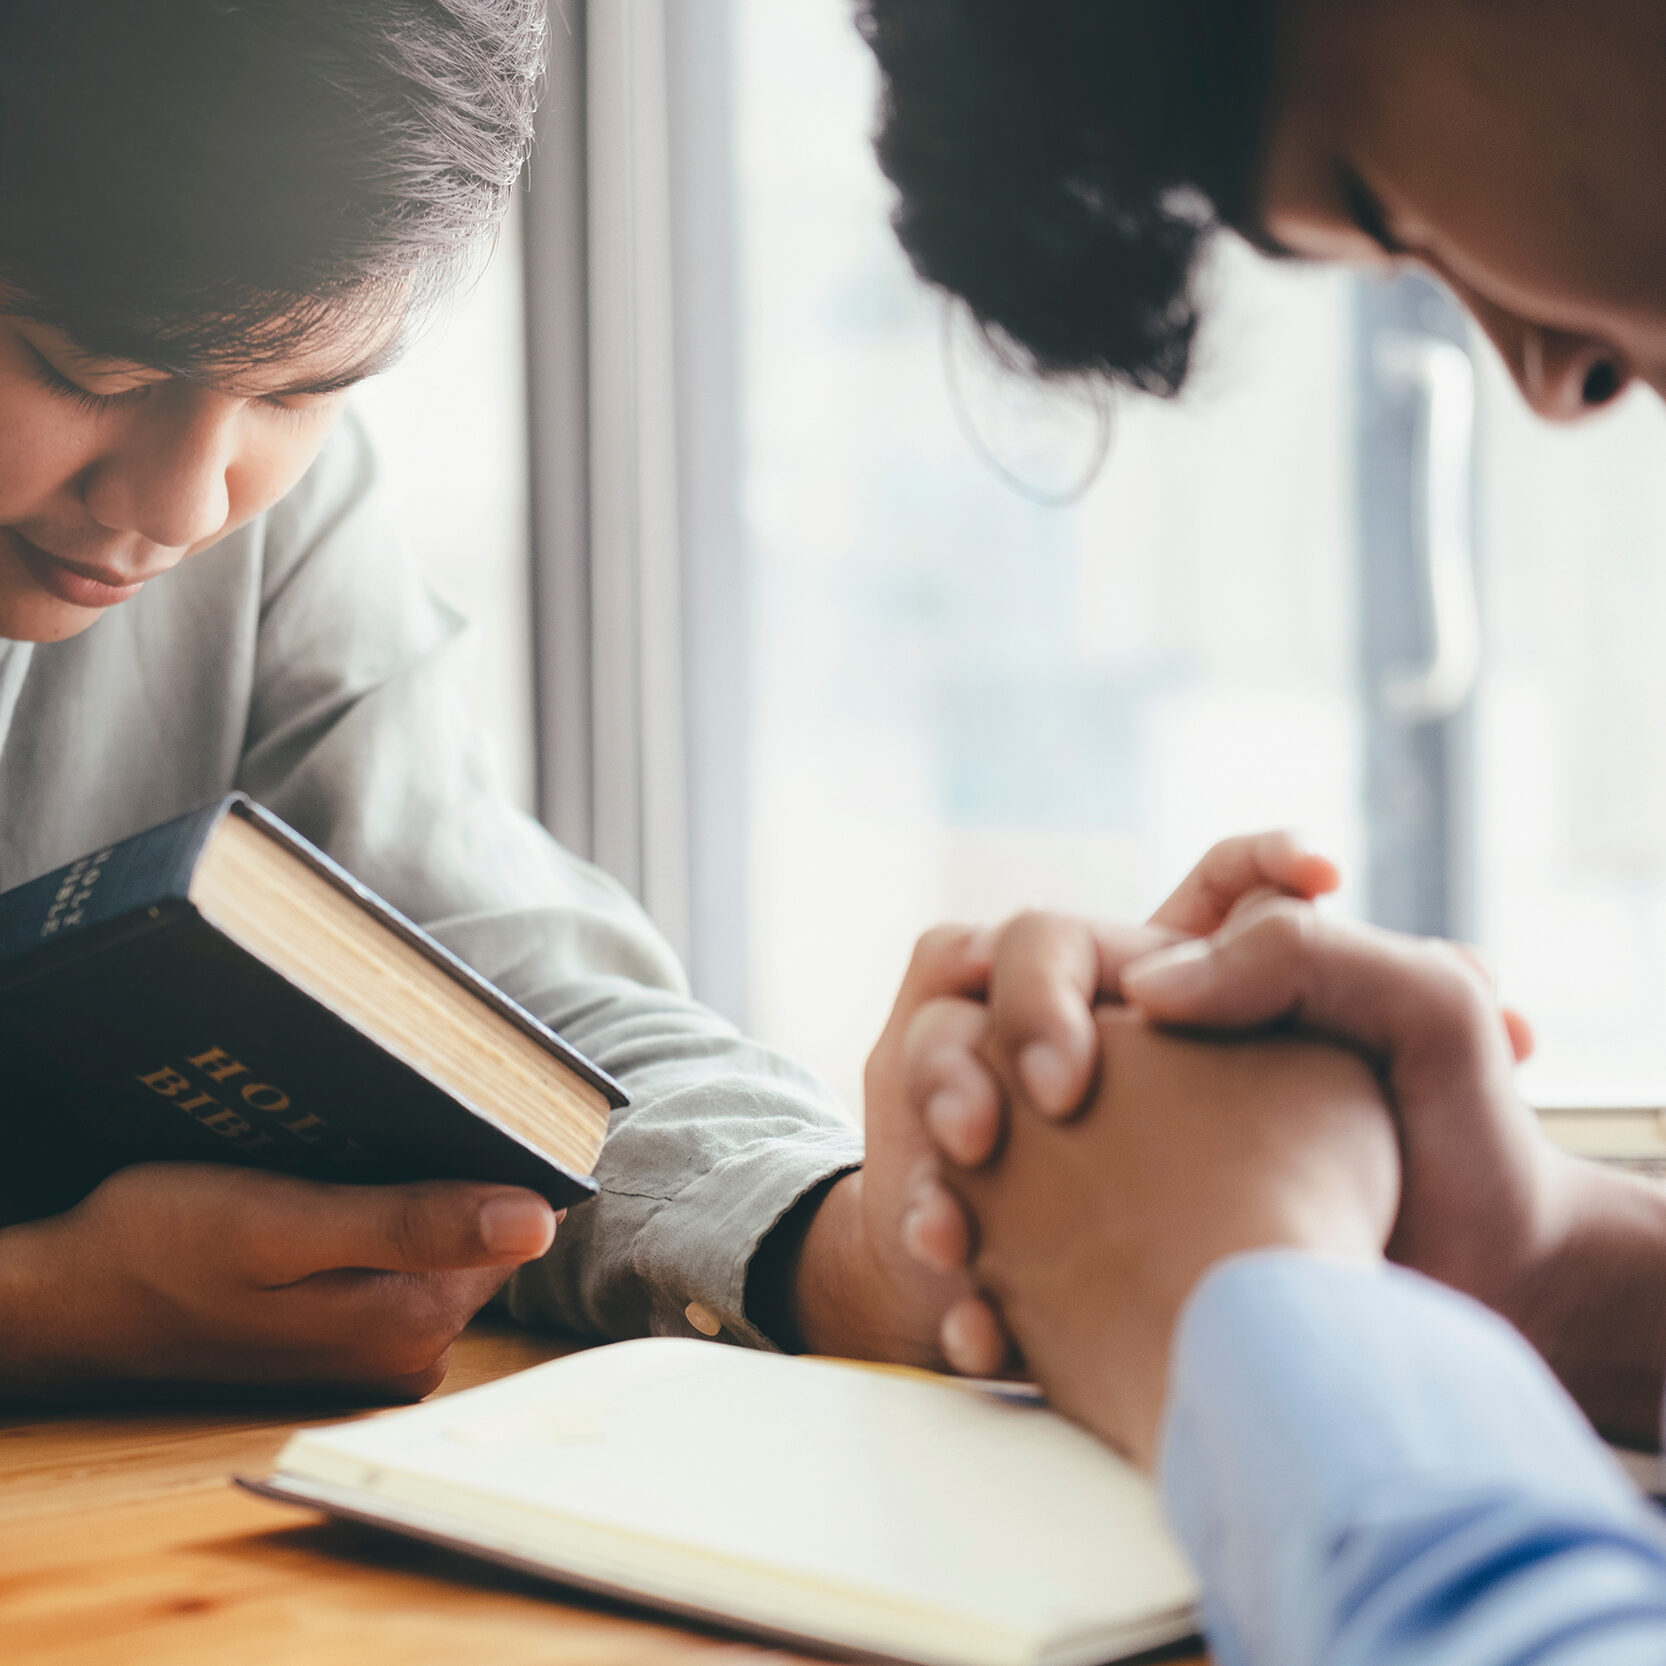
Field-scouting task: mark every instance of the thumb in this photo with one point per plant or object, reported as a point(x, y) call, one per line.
point(1389, 994)
point(1255, 864)
point(1274, 959)
point(433, 1226)
point(1194, 983)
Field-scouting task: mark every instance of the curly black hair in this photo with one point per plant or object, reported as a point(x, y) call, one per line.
point(1062, 164)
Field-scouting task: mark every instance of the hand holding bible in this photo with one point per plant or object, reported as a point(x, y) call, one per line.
point(203, 1273)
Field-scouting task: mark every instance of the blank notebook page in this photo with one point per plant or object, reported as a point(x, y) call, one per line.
point(878, 1511)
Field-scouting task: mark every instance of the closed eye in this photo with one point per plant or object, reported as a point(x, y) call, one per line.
point(1366, 211)
point(53, 379)
point(285, 405)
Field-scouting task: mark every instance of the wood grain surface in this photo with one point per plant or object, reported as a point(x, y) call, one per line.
point(122, 1543)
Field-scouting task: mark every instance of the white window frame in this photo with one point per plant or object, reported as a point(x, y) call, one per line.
point(638, 561)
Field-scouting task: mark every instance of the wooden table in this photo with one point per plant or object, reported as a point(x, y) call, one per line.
point(122, 1544)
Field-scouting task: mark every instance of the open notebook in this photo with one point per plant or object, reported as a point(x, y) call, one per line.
point(874, 1513)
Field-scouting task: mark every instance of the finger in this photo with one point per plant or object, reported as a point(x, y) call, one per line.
point(415, 1386)
point(972, 1338)
point(1376, 989)
point(1520, 1032)
point(1204, 898)
point(1049, 972)
point(371, 1312)
point(936, 1230)
point(946, 1081)
point(1249, 902)
point(373, 1327)
point(307, 1227)
point(947, 960)
point(1475, 958)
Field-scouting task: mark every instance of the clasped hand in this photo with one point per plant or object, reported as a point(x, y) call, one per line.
point(1088, 1169)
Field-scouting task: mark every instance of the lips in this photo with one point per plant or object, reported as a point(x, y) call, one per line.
point(70, 581)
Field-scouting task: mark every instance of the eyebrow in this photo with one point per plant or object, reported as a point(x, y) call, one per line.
point(372, 365)
point(331, 384)
point(1366, 211)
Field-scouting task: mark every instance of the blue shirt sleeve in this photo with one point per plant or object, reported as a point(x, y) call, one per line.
point(1370, 1470)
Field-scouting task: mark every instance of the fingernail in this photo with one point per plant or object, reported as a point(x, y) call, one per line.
point(929, 1234)
point(1047, 1077)
point(971, 1339)
point(913, 1234)
point(512, 1225)
point(1185, 972)
point(951, 1118)
point(955, 1335)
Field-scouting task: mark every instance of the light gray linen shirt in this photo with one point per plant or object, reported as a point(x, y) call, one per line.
point(304, 662)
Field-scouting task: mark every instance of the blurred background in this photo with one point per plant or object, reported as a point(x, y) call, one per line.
point(816, 627)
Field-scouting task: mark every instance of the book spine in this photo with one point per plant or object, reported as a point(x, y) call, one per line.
point(149, 870)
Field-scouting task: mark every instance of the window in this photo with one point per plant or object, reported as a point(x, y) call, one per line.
point(825, 659)
point(1571, 747)
point(450, 422)
point(966, 701)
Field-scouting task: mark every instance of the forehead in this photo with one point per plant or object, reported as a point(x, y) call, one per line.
point(1416, 77)
point(1501, 136)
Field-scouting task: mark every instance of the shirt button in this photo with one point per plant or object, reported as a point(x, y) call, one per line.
point(703, 1319)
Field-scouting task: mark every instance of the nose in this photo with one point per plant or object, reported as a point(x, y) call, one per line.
point(166, 478)
point(1562, 375)
point(1565, 377)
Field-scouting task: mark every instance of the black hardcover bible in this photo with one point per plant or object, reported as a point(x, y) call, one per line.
point(218, 990)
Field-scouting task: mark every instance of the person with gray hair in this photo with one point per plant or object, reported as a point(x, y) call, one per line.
point(215, 217)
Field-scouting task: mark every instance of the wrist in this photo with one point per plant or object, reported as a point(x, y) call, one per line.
point(839, 1286)
point(1592, 1298)
point(39, 1344)
point(770, 1302)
